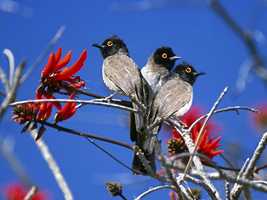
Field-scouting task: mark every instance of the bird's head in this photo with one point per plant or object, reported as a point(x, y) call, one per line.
point(111, 46)
point(165, 57)
point(187, 72)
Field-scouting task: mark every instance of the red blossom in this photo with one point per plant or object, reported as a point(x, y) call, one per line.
point(260, 118)
point(207, 145)
point(18, 192)
point(67, 111)
point(56, 75)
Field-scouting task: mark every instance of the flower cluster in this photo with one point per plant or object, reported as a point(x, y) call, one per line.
point(18, 192)
point(207, 146)
point(56, 78)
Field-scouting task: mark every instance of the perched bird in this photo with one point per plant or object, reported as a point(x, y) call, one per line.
point(175, 97)
point(122, 75)
point(159, 66)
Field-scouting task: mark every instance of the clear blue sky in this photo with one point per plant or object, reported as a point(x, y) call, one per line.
point(191, 29)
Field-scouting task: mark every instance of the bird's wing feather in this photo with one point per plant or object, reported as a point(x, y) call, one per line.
point(172, 96)
point(122, 71)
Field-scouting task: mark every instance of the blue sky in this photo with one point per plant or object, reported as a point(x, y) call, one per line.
point(193, 31)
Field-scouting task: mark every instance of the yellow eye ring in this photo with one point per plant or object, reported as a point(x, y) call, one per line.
point(188, 70)
point(164, 55)
point(109, 43)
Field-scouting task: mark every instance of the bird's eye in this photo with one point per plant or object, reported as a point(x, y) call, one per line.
point(109, 43)
point(188, 70)
point(164, 55)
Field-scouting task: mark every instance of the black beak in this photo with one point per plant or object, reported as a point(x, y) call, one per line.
point(98, 46)
point(199, 73)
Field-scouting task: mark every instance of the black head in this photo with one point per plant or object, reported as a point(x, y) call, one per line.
point(112, 46)
point(187, 72)
point(165, 56)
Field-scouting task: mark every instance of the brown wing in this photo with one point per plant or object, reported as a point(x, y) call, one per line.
point(122, 71)
point(172, 96)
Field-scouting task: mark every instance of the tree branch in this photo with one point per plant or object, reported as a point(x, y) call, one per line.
point(249, 170)
point(86, 135)
point(101, 102)
point(48, 157)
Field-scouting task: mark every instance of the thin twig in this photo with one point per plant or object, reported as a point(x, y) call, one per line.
point(86, 135)
point(11, 64)
point(4, 80)
point(110, 155)
point(215, 105)
point(11, 95)
point(226, 109)
point(33, 190)
point(178, 187)
point(48, 157)
point(153, 189)
point(101, 102)
point(222, 175)
point(42, 56)
point(251, 165)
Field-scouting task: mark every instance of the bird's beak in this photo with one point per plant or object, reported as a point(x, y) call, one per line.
point(199, 73)
point(98, 46)
point(175, 57)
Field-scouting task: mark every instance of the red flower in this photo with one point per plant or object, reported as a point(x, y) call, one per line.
point(207, 145)
point(18, 192)
point(56, 75)
point(260, 118)
point(67, 111)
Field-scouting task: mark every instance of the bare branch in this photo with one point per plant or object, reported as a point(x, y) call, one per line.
point(11, 61)
point(177, 187)
point(86, 135)
point(4, 80)
point(153, 189)
point(48, 157)
point(197, 162)
point(249, 170)
point(11, 95)
point(227, 109)
point(101, 102)
point(215, 105)
point(42, 56)
point(31, 193)
point(111, 155)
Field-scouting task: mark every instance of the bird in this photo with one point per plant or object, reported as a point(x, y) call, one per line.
point(175, 97)
point(159, 66)
point(122, 75)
